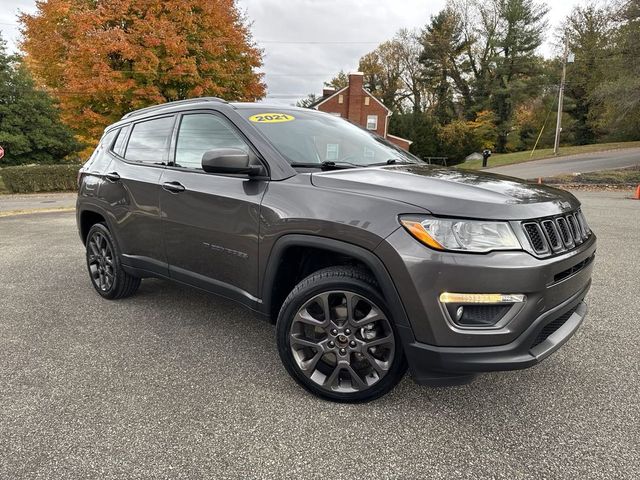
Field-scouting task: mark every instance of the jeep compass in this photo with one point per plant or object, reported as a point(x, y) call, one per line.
point(368, 260)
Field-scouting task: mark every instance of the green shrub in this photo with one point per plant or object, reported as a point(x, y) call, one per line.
point(40, 178)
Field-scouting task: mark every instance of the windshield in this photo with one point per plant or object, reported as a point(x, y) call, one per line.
point(311, 137)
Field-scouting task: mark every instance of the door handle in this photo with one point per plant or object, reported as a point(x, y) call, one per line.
point(173, 187)
point(112, 176)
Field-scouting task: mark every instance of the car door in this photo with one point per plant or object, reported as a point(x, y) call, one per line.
point(132, 191)
point(210, 221)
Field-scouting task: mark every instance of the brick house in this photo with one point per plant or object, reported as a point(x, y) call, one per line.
point(355, 103)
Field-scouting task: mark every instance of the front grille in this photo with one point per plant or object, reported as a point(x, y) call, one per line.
point(575, 228)
point(557, 234)
point(563, 228)
point(536, 237)
point(552, 234)
point(551, 328)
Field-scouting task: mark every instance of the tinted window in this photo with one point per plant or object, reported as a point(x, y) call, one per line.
point(150, 140)
point(201, 132)
point(118, 147)
point(99, 160)
point(308, 136)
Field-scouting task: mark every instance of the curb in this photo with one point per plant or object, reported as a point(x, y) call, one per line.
point(11, 213)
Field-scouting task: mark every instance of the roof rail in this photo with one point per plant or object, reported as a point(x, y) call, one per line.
point(140, 111)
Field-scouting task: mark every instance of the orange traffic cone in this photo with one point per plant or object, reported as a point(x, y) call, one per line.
point(637, 195)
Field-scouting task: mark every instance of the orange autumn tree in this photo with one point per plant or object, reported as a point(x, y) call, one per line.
point(102, 58)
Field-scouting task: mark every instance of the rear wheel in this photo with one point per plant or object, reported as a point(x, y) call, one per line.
point(336, 338)
point(105, 270)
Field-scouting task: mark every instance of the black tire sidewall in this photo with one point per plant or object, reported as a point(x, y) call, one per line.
point(294, 303)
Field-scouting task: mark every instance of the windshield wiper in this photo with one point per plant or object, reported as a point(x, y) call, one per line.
point(391, 161)
point(328, 165)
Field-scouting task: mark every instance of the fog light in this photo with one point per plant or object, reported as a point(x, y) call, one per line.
point(494, 298)
point(459, 313)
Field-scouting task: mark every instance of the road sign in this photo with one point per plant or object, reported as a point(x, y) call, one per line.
point(1, 152)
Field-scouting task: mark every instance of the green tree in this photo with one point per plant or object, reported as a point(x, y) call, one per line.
point(459, 139)
point(338, 82)
point(445, 70)
point(30, 128)
point(382, 72)
point(419, 127)
point(617, 98)
point(588, 30)
point(520, 32)
point(306, 102)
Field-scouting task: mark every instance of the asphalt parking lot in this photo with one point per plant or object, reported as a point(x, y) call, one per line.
point(174, 383)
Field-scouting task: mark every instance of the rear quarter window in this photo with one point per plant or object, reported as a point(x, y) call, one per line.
point(120, 143)
point(100, 159)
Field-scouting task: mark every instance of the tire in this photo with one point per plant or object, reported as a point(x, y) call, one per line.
point(105, 269)
point(353, 356)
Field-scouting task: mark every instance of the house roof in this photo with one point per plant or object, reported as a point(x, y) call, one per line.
point(400, 138)
point(319, 102)
point(324, 99)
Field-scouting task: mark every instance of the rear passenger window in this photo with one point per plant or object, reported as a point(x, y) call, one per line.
point(149, 141)
point(201, 132)
point(119, 146)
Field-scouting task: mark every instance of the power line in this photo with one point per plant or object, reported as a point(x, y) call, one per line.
point(288, 42)
point(319, 42)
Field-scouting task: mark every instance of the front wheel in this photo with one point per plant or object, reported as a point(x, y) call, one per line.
point(337, 339)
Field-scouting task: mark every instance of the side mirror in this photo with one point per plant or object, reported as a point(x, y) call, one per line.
point(229, 161)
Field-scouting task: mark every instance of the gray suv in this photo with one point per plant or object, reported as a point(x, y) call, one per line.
point(368, 260)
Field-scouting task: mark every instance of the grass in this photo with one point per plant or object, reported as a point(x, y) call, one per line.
point(500, 159)
point(3, 189)
point(623, 176)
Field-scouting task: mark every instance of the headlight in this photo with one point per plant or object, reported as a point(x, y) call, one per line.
point(462, 235)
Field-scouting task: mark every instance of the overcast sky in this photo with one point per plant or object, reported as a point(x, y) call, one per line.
point(306, 42)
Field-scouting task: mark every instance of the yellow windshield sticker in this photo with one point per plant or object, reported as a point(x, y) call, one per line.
point(271, 118)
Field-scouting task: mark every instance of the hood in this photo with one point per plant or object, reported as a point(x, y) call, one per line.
point(452, 192)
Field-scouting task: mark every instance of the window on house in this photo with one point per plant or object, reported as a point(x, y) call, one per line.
point(369, 154)
point(366, 100)
point(372, 122)
point(333, 151)
point(340, 99)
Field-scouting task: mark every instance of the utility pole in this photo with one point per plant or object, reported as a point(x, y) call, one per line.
point(561, 94)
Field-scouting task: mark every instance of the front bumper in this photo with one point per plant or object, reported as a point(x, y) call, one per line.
point(440, 351)
point(546, 334)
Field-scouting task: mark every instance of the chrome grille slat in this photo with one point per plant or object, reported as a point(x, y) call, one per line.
point(565, 233)
point(575, 228)
point(536, 237)
point(552, 234)
point(583, 225)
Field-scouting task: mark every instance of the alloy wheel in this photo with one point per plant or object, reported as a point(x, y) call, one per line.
point(100, 260)
point(342, 341)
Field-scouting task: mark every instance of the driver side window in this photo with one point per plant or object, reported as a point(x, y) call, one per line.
point(201, 132)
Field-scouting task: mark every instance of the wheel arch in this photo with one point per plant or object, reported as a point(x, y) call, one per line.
point(90, 215)
point(276, 266)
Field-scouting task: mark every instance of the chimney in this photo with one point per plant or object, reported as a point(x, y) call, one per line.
point(328, 91)
point(354, 112)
